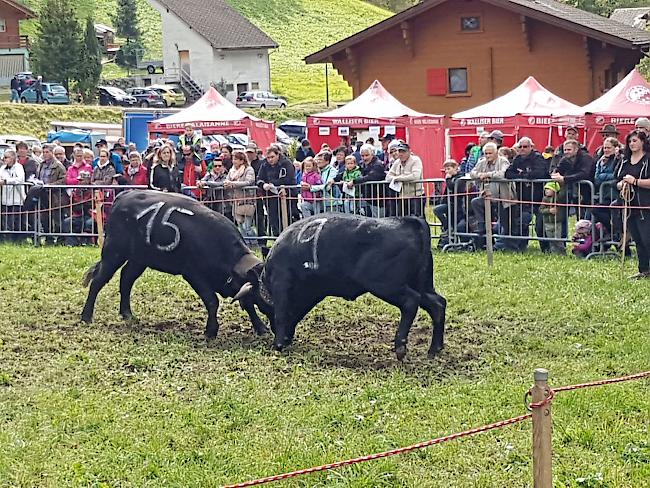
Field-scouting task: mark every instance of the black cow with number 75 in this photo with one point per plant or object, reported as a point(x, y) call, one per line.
point(346, 256)
point(175, 234)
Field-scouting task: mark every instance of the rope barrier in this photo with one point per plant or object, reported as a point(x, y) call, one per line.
point(440, 440)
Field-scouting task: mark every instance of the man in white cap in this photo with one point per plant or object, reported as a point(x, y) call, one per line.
point(643, 124)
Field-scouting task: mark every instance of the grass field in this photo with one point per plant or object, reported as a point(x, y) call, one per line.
point(300, 27)
point(151, 403)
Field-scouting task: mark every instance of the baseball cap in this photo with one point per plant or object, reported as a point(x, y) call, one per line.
point(403, 146)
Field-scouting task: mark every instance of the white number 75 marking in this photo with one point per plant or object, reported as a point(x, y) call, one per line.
point(156, 207)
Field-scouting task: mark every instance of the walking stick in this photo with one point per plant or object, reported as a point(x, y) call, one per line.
point(625, 196)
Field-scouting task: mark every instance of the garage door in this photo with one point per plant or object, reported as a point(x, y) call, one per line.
point(10, 64)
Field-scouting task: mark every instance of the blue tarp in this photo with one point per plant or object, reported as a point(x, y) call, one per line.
point(73, 136)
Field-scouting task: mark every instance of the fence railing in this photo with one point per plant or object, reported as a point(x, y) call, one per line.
point(459, 217)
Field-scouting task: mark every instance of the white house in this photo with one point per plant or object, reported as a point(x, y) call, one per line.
point(208, 42)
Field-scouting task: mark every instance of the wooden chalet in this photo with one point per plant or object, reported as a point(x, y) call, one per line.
point(445, 56)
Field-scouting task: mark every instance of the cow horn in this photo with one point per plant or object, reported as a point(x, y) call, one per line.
point(243, 291)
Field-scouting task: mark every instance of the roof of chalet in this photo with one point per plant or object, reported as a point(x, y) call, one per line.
point(549, 11)
point(628, 16)
point(219, 23)
point(26, 11)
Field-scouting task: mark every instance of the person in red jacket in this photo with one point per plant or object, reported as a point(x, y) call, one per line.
point(193, 170)
point(136, 173)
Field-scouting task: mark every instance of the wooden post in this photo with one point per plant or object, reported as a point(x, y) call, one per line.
point(99, 216)
point(284, 210)
point(542, 447)
point(488, 230)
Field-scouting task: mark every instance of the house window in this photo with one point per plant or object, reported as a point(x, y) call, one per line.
point(255, 85)
point(3, 25)
point(458, 80)
point(471, 23)
point(230, 87)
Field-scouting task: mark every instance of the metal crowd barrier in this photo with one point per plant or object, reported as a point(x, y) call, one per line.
point(517, 219)
point(68, 214)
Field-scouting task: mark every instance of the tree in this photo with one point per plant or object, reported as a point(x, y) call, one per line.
point(55, 52)
point(126, 25)
point(90, 63)
point(125, 20)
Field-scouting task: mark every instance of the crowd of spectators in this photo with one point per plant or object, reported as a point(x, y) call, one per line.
point(357, 177)
point(616, 177)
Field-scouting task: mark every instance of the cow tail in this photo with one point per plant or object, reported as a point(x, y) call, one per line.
point(90, 274)
point(426, 249)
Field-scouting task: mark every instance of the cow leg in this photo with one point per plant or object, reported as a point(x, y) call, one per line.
point(106, 269)
point(130, 272)
point(408, 302)
point(435, 305)
point(211, 303)
point(248, 305)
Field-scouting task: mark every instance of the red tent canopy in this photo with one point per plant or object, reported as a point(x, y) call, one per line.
point(376, 107)
point(212, 114)
point(528, 110)
point(621, 106)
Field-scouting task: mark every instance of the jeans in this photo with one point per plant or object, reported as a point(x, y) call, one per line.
point(507, 216)
point(76, 225)
point(15, 97)
point(553, 229)
point(373, 210)
point(311, 208)
point(350, 206)
point(245, 226)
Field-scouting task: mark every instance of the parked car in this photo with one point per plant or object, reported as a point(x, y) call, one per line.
point(27, 76)
point(151, 66)
point(235, 143)
point(260, 99)
point(111, 95)
point(146, 97)
point(14, 139)
point(4, 147)
point(173, 96)
point(295, 129)
point(282, 137)
point(52, 93)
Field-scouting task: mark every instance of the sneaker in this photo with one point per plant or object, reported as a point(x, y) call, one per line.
point(640, 275)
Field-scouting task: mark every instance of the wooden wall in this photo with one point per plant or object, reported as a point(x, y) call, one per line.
point(498, 59)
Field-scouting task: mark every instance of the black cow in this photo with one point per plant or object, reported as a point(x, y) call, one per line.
point(175, 234)
point(347, 256)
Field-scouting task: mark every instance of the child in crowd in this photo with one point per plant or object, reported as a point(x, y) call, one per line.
point(583, 237)
point(443, 211)
point(351, 173)
point(553, 215)
point(311, 204)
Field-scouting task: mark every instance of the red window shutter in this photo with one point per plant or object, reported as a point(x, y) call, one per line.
point(436, 81)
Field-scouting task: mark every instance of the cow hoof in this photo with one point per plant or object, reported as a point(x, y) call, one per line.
point(278, 347)
point(126, 316)
point(211, 333)
point(400, 352)
point(86, 319)
point(261, 330)
point(434, 352)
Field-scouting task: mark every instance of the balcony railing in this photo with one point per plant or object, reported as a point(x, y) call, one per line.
point(14, 42)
